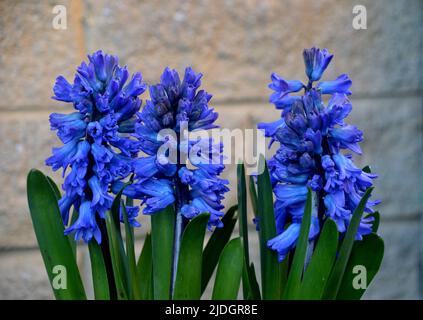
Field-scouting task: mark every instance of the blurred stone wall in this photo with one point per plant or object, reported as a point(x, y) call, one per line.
point(236, 44)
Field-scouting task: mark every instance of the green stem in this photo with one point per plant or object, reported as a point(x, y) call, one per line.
point(107, 259)
point(181, 194)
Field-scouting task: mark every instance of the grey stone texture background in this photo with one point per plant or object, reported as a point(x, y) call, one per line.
point(236, 44)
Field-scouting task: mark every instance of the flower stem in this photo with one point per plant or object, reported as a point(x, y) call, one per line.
point(181, 199)
point(176, 250)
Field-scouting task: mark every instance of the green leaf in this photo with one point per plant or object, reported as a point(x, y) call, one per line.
point(71, 237)
point(229, 271)
point(242, 210)
point(73, 217)
point(115, 209)
point(188, 275)
point(118, 257)
point(321, 263)
point(284, 268)
point(294, 278)
point(270, 269)
point(367, 169)
point(249, 279)
point(215, 245)
point(162, 234)
point(145, 270)
point(367, 253)
point(376, 222)
point(98, 270)
point(130, 252)
point(335, 278)
point(243, 227)
point(54, 245)
point(55, 188)
point(107, 257)
point(129, 202)
point(253, 195)
point(255, 288)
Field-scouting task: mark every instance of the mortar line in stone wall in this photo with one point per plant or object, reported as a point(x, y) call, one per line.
point(357, 96)
point(230, 102)
point(388, 220)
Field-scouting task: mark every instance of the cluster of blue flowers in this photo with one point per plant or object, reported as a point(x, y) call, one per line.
point(103, 138)
point(312, 137)
point(161, 181)
point(97, 147)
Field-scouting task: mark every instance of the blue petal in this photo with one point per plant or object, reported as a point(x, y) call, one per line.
point(85, 226)
point(62, 156)
point(341, 85)
point(285, 241)
point(347, 137)
point(62, 90)
point(316, 61)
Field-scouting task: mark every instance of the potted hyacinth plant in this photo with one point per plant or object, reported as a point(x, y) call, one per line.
point(115, 150)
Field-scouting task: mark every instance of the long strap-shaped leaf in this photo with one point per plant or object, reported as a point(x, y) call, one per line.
point(71, 238)
point(54, 245)
point(294, 278)
point(248, 277)
point(253, 286)
point(130, 255)
point(363, 264)
point(229, 271)
point(215, 245)
point(118, 257)
point(317, 273)
point(98, 270)
point(115, 259)
point(284, 269)
point(242, 210)
point(188, 276)
point(145, 270)
point(115, 209)
point(270, 269)
point(376, 221)
point(253, 194)
point(335, 278)
point(55, 188)
point(162, 231)
point(73, 217)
